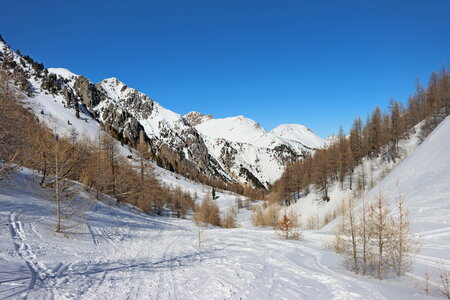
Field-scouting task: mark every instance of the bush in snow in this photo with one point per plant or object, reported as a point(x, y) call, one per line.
point(207, 212)
point(265, 216)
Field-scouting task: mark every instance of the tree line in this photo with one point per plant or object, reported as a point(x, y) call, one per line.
point(377, 136)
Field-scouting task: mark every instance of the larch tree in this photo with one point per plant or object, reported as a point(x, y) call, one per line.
point(403, 243)
point(321, 172)
point(146, 195)
point(60, 157)
point(396, 129)
point(110, 149)
point(347, 233)
point(379, 224)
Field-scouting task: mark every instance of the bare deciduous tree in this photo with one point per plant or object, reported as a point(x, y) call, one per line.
point(287, 227)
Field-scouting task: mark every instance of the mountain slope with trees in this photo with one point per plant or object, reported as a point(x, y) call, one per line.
point(376, 138)
point(124, 112)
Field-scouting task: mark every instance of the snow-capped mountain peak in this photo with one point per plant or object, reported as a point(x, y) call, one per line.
point(300, 133)
point(236, 129)
point(244, 147)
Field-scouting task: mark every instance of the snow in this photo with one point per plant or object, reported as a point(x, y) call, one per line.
point(254, 144)
point(65, 73)
point(236, 129)
point(299, 133)
point(423, 179)
point(60, 118)
point(120, 253)
point(244, 130)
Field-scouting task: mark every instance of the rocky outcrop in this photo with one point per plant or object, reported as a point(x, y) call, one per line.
point(194, 118)
point(124, 126)
point(89, 95)
point(250, 178)
point(227, 155)
point(284, 154)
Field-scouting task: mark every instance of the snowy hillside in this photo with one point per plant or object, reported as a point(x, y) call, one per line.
point(422, 178)
point(119, 253)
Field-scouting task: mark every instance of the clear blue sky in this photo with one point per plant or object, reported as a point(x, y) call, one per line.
point(318, 63)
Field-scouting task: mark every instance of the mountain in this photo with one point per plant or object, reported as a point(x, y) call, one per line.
point(298, 133)
point(244, 148)
point(232, 150)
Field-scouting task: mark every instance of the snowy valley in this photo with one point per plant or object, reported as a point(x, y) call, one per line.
point(122, 253)
point(150, 247)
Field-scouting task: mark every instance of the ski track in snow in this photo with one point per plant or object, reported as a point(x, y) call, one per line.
point(156, 258)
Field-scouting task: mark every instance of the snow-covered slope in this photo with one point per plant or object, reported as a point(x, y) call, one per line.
point(298, 133)
point(422, 179)
point(120, 253)
point(242, 146)
point(65, 73)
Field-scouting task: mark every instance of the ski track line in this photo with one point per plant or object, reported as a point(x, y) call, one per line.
point(333, 275)
point(273, 274)
point(25, 251)
point(39, 272)
point(164, 280)
point(92, 234)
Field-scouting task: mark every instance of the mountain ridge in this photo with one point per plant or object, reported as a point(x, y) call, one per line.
point(246, 154)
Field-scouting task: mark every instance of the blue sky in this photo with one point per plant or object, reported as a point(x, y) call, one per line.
point(318, 63)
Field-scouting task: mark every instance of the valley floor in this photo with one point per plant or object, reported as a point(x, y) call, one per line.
point(123, 254)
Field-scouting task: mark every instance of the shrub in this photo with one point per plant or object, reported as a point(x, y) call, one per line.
point(207, 212)
point(265, 216)
point(229, 221)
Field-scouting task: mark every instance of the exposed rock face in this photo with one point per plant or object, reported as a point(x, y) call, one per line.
point(194, 118)
point(227, 155)
point(128, 111)
point(250, 178)
point(285, 154)
point(69, 95)
point(87, 92)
